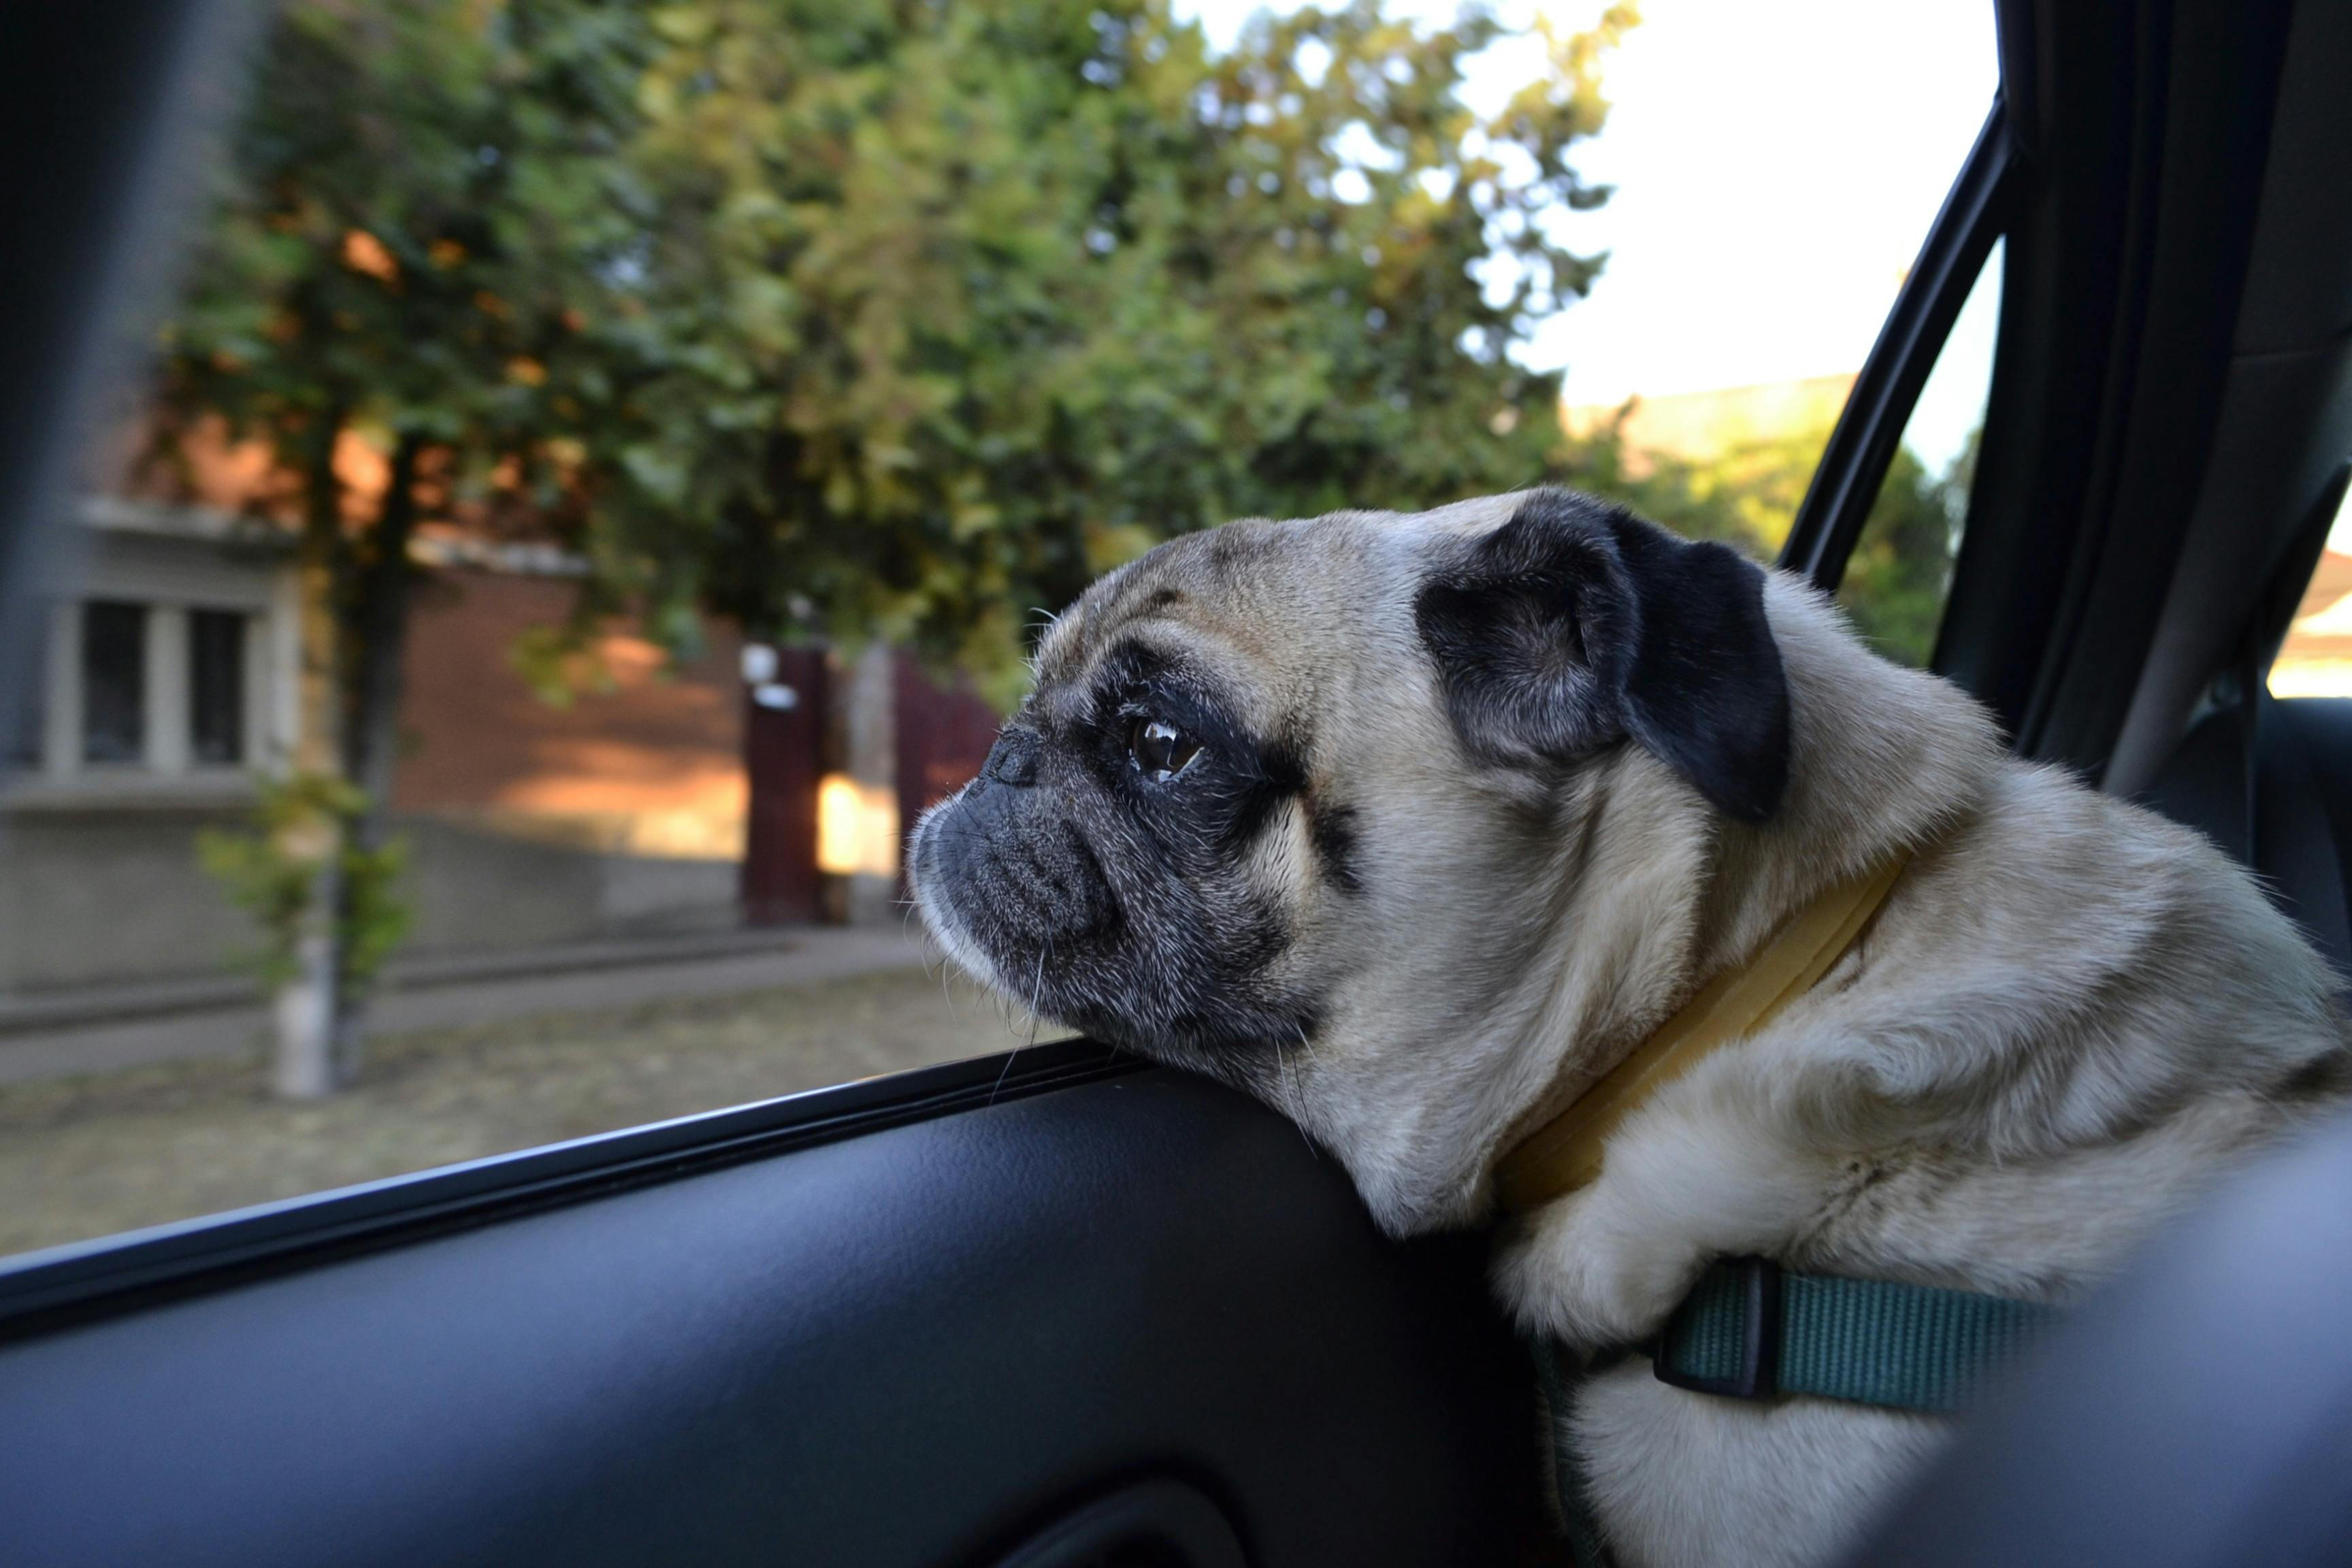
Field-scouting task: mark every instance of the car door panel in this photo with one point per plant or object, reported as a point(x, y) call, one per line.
point(916, 1345)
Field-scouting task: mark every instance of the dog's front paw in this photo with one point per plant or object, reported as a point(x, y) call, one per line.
point(1685, 1183)
point(1573, 1272)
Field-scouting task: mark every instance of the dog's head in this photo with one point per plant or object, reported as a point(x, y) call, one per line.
point(1293, 803)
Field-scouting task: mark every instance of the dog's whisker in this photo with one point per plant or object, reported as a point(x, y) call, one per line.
point(1293, 1100)
point(1037, 992)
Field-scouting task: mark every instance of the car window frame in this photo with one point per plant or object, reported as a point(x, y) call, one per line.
point(42, 1291)
point(1974, 217)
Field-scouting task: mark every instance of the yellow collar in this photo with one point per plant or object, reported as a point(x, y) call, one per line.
point(1564, 1153)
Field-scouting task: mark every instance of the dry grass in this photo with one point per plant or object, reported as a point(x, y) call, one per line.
point(84, 1157)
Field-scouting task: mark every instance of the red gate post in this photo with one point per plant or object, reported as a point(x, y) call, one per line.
point(944, 734)
point(783, 729)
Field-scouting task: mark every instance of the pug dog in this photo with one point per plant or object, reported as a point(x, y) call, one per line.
point(1413, 827)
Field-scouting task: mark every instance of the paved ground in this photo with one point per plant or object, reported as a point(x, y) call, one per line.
point(88, 1155)
point(75, 1034)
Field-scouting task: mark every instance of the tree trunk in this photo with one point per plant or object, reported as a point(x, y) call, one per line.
point(306, 1007)
point(308, 1065)
point(376, 630)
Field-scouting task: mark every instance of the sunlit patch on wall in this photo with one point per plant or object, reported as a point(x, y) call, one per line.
point(856, 828)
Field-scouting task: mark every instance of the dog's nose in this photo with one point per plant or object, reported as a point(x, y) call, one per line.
point(1013, 759)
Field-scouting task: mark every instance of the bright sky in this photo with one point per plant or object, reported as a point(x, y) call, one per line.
point(1777, 166)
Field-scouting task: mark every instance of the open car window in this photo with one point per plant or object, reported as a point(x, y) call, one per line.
point(598, 470)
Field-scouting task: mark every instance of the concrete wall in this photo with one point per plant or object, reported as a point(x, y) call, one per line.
point(108, 895)
point(618, 814)
point(114, 896)
point(474, 891)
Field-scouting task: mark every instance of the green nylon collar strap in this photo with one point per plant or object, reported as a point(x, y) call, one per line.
point(1750, 1331)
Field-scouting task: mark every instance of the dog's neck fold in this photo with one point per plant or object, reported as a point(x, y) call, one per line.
point(1655, 895)
point(1610, 917)
point(1564, 1153)
point(1885, 761)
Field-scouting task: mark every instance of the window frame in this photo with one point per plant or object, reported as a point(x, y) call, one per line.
point(85, 1281)
point(232, 686)
point(1853, 466)
point(175, 563)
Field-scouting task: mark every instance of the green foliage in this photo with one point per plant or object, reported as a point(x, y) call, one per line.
point(1746, 495)
point(270, 870)
point(404, 237)
point(1901, 569)
point(402, 245)
point(949, 307)
point(853, 315)
point(846, 316)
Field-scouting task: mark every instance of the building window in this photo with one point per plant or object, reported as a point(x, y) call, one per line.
point(113, 682)
point(28, 710)
point(165, 689)
point(217, 686)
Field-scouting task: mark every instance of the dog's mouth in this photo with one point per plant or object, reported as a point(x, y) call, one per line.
point(931, 882)
point(1103, 936)
point(941, 919)
point(1014, 900)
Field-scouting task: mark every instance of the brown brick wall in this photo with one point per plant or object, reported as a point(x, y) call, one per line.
point(646, 758)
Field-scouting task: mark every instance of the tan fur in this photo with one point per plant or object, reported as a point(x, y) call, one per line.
point(2069, 1019)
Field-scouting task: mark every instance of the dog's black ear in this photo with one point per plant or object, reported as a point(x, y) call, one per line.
point(1705, 690)
point(1576, 624)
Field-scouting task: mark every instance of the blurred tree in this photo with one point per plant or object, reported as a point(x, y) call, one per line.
point(1746, 494)
point(943, 309)
point(1900, 572)
point(845, 318)
point(404, 242)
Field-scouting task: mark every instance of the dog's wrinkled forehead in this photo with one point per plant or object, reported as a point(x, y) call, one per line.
point(1232, 599)
point(1277, 592)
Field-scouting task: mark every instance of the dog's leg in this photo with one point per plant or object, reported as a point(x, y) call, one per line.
point(1679, 1480)
point(1683, 1184)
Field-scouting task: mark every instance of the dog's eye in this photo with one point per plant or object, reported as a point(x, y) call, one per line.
point(1160, 750)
